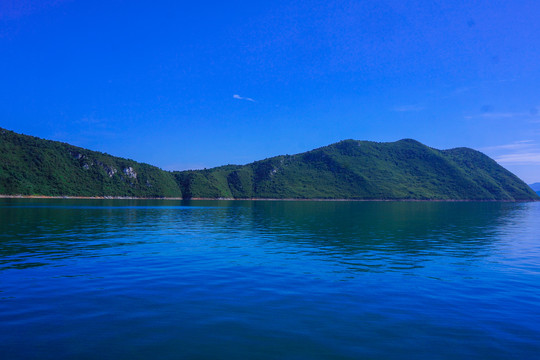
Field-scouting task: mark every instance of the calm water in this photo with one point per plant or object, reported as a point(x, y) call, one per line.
point(117, 279)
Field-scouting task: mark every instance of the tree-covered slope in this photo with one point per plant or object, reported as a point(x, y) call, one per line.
point(33, 166)
point(352, 169)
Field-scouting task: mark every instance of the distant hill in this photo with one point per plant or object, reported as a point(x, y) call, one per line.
point(535, 187)
point(350, 169)
point(33, 166)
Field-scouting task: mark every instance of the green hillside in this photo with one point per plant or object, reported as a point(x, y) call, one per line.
point(350, 169)
point(33, 166)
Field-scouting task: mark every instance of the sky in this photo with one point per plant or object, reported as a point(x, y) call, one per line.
point(190, 85)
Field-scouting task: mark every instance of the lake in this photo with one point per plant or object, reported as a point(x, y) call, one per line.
point(140, 279)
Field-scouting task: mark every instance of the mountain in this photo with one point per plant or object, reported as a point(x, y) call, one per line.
point(535, 187)
point(30, 166)
point(350, 169)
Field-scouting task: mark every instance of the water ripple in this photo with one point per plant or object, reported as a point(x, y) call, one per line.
point(139, 279)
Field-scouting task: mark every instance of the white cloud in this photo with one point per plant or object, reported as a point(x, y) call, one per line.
point(238, 97)
point(522, 144)
point(462, 90)
point(91, 121)
point(520, 158)
point(409, 108)
point(522, 152)
point(502, 115)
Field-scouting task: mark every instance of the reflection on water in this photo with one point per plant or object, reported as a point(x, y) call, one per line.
point(52, 229)
point(269, 278)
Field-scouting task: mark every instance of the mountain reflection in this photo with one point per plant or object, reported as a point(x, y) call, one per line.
point(402, 226)
point(44, 232)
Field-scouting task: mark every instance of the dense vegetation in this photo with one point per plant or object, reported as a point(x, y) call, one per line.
point(353, 169)
point(350, 169)
point(33, 166)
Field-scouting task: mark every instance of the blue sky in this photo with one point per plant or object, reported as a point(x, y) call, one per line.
point(198, 84)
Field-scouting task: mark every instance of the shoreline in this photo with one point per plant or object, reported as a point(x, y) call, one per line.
point(246, 199)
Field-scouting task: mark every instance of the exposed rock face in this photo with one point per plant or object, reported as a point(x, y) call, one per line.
point(77, 155)
point(111, 171)
point(108, 169)
point(130, 172)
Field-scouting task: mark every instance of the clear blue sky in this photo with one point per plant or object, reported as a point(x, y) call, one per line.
point(199, 84)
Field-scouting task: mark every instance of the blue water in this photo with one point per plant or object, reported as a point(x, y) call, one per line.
point(111, 279)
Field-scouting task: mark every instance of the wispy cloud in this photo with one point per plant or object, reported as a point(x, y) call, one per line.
point(462, 90)
point(522, 144)
point(459, 91)
point(532, 114)
point(521, 159)
point(90, 120)
point(409, 108)
point(238, 97)
point(499, 115)
point(523, 152)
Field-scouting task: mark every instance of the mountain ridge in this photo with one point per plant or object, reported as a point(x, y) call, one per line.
point(405, 169)
point(30, 165)
point(350, 169)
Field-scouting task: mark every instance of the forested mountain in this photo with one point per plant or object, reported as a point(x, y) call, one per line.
point(33, 166)
point(350, 169)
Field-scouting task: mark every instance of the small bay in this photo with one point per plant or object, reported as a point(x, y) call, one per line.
point(138, 279)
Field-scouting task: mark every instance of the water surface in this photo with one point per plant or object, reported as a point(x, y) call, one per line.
point(141, 279)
